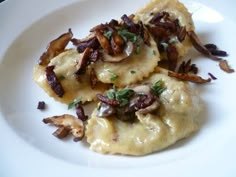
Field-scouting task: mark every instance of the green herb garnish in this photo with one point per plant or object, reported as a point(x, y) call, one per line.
point(132, 37)
point(111, 94)
point(108, 34)
point(74, 103)
point(128, 36)
point(114, 76)
point(158, 87)
point(153, 52)
point(122, 95)
point(132, 72)
point(60, 78)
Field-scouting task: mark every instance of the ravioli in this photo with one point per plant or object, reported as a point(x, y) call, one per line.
point(136, 116)
point(176, 10)
point(132, 69)
point(65, 67)
point(151, 132)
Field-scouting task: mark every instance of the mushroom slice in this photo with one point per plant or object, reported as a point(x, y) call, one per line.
point(153, 107)
point(104, 42)
point(66, 65)
point(88, 42)
point(117, 43)
point(180, 20)
point(189, 77)
point(225, 66)
point(118, 58)
point(67, 124)
point(55, 47)
point(200, 47)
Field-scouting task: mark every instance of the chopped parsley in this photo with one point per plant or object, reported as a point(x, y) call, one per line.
point(108, 34)
point(132, 37)
point(60, 78)
point(113, 77)
point(132, 72)
point(74, 103)
point(128, 36)
point(122, 96)
point(111, 94)
point(158, 87)
point(153, 52)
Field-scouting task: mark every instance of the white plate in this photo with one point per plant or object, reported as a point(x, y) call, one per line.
point(27, 147)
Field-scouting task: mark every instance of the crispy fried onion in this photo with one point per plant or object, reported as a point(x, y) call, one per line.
point(53, 81)
point(55, 47)
point(67, 124)
point(189, 77)
point(225, 66)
